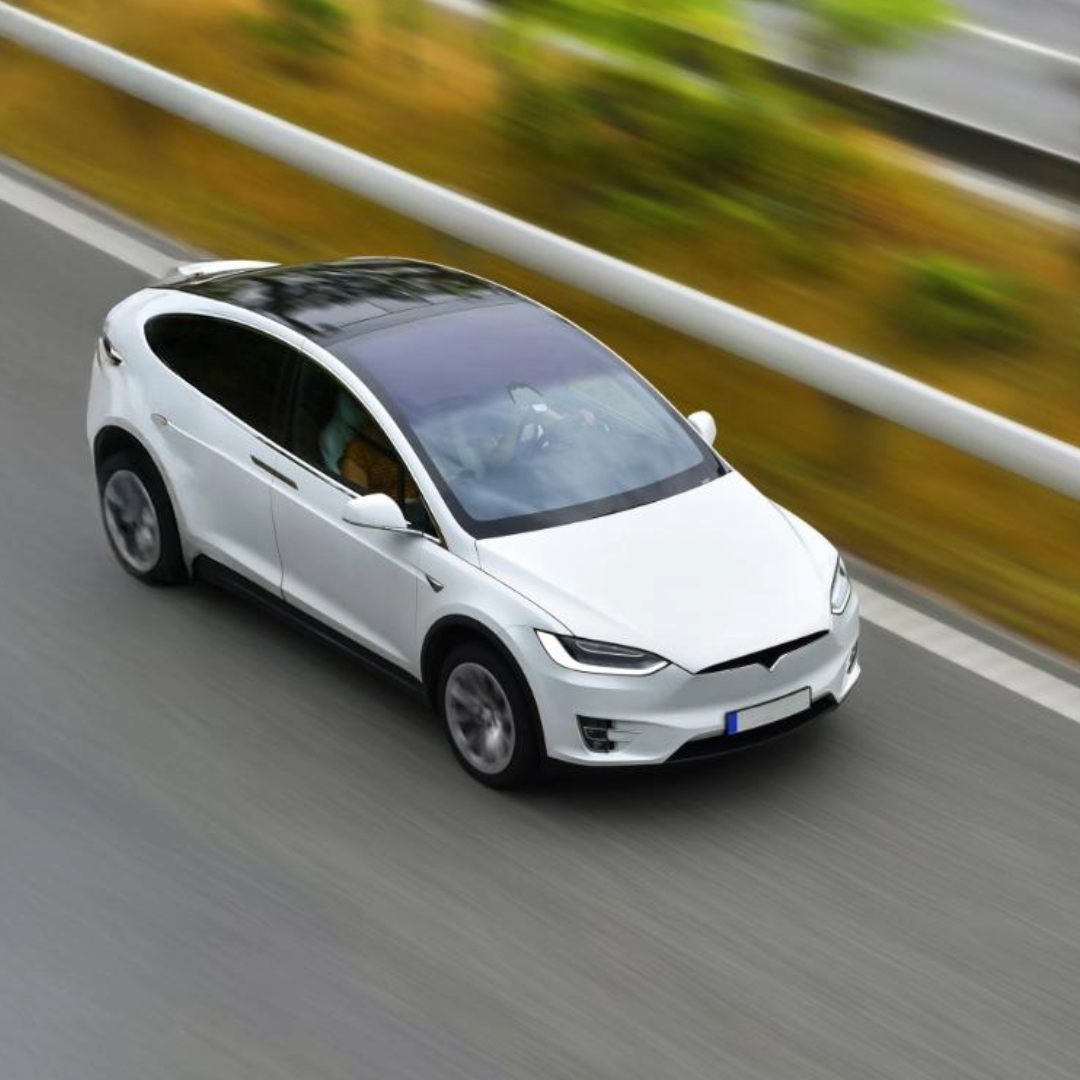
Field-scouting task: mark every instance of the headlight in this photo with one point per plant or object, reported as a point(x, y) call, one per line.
point(841, 587)
point(598, 657)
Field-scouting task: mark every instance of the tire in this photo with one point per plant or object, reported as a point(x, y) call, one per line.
point(489, 716)
point(138, 518)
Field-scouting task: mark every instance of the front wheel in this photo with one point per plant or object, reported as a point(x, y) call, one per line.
point(488, 717)
point(139, 519)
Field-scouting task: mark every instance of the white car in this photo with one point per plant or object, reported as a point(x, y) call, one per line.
point(473, 494)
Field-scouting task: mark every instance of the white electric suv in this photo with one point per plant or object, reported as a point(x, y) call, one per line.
point(470, 493)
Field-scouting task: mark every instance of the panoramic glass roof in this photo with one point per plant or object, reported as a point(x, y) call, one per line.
point(352, 296)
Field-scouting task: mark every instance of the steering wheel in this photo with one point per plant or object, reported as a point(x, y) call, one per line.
point(569, 428)
point(541, 426)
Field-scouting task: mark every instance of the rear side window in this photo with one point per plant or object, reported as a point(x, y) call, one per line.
point(243, 370)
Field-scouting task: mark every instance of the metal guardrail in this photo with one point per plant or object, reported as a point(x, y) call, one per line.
point(878, 389)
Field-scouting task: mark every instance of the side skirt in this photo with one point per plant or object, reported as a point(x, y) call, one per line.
point(213, 573)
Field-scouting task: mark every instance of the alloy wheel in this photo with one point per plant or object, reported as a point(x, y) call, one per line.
point(131, 520)
point(480, 718)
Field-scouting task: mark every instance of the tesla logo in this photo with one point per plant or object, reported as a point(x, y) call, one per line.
point(769, 658)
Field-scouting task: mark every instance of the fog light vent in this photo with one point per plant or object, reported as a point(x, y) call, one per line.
point(595, 734)
point(603, 736)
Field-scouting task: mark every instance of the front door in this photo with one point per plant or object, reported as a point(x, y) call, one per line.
point(362, 582)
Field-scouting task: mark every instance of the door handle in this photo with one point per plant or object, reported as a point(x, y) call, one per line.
point(274, 473)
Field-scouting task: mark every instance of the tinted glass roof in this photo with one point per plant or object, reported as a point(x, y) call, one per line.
point(600, 440)
point(349, 297)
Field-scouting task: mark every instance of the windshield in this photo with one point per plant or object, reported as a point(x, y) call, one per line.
point(524, 421)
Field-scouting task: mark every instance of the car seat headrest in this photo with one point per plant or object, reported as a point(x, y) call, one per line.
point(350, 411)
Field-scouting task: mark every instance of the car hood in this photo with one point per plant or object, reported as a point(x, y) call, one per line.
point(699, 578)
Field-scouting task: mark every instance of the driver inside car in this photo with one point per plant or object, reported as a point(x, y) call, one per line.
point(501, 449)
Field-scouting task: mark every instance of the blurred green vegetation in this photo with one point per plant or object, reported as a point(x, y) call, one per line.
point(947, 301)
point(839, 33)
point(724, 181)
point(642, 135)
point(300, 30)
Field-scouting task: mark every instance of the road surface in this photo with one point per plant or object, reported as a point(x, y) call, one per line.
point(226, 853)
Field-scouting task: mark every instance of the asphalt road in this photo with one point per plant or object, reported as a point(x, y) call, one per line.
point(227, 853)
point(990, 84)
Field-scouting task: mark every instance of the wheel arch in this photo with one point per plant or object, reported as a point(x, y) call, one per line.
point(114, 438)
point(446, 634)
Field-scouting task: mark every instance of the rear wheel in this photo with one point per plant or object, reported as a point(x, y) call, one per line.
point(139, 520)
point(488, 716)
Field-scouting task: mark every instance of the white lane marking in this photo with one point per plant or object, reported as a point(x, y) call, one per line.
point(82, 226)
point(991, 663)
point(962, 649)
point(1018, 43)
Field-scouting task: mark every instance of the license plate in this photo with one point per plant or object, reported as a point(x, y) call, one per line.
point(767, 712)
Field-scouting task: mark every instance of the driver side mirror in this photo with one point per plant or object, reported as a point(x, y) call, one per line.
point(704, 424)
point(375, 512)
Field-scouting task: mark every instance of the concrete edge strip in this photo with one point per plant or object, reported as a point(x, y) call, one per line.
point(962, 649)
point(905, 622)
point(1002, 192)
point(83, 227)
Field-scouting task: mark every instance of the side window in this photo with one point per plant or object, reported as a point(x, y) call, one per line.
point(241, 369)
point(332, 431)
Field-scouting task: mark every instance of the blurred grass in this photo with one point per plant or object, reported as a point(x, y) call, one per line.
point(998, 545)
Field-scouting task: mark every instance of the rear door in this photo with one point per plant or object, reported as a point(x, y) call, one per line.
point(223, 412)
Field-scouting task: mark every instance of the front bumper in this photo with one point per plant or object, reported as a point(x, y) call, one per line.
point(675, 715)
